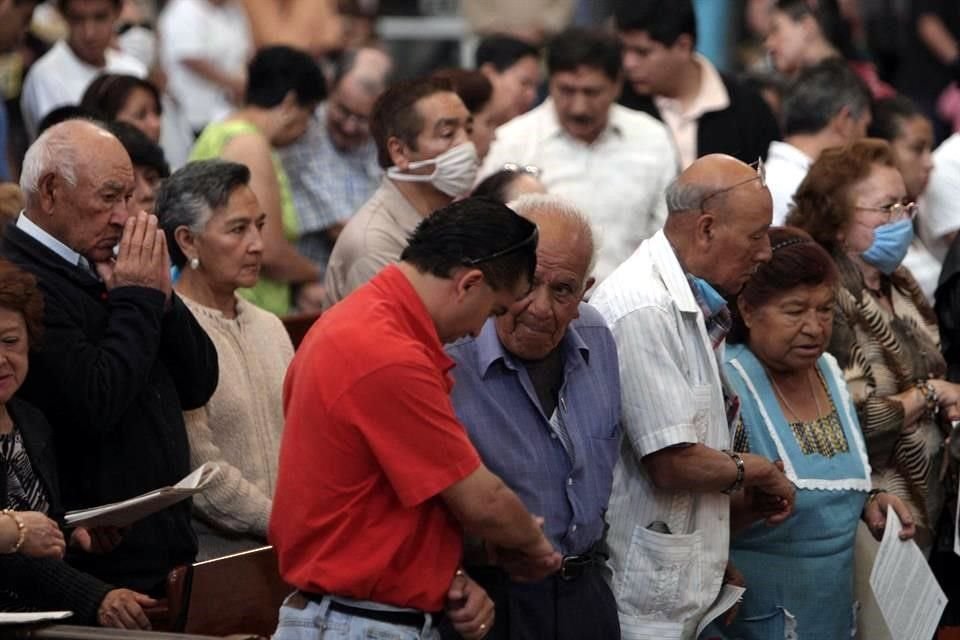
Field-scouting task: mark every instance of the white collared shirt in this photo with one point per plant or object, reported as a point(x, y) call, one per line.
point(940, 208)
point(671, 393)
point(60, 77)
point(786, 167)
point(684, 123)
point(30, 228)
point(618, 180)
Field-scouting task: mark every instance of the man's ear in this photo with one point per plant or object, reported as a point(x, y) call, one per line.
point(399, 153)
point(842, 124)
point(684, 43)
point(467, 280)
point(587, 285)
point(705, 229)
point(48, 189)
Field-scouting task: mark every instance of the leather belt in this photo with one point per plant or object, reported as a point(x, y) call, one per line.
point(572, 567)
point(405, 618)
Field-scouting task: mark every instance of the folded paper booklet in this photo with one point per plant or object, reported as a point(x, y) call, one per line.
point(34, 616)
point(126, 512)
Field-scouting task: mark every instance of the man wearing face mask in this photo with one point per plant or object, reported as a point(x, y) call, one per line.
point(422, 130)
point(539, 393)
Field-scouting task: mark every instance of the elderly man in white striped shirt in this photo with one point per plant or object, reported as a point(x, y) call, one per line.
point(676, 479)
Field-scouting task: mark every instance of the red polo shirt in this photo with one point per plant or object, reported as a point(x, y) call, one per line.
point(370, 441)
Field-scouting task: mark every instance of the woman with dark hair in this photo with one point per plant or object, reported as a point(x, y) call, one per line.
point(805, 32)
point(125, 99)
point(795, 408)
point(476, 92)
point(33, 575)
point(910, 134)
point(509, 183)
point(284, 87)
point(853, 202)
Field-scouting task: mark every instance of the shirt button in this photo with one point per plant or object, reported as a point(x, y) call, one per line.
point(573, 528)
point(553, 435)
point(569, 481)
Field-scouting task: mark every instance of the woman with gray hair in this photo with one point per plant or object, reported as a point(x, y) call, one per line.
point(213, 224)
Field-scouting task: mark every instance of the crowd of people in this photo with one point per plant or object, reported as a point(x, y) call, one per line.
point(589, 344)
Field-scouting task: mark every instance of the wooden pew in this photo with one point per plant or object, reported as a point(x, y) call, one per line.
point(297, 325)
point(236, 594)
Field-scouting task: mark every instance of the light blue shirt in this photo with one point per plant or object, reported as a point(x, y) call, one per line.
point(567, 483)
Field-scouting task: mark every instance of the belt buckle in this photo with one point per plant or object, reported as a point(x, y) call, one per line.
point(571, 567)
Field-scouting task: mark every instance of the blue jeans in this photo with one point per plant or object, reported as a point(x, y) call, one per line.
point(315, 621)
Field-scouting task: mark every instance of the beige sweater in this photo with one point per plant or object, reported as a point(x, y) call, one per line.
point(239, 428)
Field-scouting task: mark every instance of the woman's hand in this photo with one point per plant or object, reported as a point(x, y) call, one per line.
point(948, 398)
point(97, 539)
point(875, 515)
point(42, 537)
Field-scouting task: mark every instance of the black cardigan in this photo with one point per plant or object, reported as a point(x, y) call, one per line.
point(113, 374)
point(43, 583)
point(743, 130)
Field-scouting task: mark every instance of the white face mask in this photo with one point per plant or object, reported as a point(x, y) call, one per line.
point(454, 170)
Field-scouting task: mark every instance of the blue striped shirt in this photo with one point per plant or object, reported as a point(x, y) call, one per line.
point(495, 398)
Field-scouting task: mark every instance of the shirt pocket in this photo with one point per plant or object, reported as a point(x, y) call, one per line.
point(663, 575)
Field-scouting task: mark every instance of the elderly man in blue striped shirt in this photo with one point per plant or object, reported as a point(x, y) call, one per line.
point(539, 393)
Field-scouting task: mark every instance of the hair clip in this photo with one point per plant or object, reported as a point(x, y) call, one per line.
point(787, 243)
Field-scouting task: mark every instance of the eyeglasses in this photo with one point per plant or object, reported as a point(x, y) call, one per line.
point(526, 242)
point(895, 211)
point(761, 176)
point(529, 169)
point(343, 114)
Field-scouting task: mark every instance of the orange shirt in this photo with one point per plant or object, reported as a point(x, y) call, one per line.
point(370, 441)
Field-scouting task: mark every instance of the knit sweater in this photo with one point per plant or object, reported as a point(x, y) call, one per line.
point(239, 428)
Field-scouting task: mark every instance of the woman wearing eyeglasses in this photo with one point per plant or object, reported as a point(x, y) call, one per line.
point(885, 336)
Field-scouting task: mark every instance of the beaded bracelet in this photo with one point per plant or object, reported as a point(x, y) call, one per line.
point(929, 395)
point(21, 529)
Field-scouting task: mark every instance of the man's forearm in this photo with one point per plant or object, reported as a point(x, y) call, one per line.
point(505, 522)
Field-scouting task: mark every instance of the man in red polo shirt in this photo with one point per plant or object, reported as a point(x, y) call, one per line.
point(378, 481)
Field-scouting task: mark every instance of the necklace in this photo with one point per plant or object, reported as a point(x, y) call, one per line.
point(786, 404)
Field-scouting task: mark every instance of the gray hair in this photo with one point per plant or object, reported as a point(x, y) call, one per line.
point(189, 197)
point(685, 196)
point(53, 152)
point(551, 205)
point(819, 93)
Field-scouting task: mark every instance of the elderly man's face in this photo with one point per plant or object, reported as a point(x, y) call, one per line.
point(534, 326)
point(582, 99)
point(739, 240)
point(348, 115)
point(89, 217)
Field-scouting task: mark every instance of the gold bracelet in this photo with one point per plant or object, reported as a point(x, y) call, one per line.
point(21, 528)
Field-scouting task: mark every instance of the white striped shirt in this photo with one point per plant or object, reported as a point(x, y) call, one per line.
point(672, 394)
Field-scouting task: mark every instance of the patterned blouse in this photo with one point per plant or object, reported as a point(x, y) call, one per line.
point(883, 354)
point(24, 490)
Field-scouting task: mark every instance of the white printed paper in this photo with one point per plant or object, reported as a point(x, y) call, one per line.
point(33, 616)
point(907, 594)
point(126, 512)
point(729, 596)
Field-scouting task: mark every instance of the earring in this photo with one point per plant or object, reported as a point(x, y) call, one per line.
point(194, 263)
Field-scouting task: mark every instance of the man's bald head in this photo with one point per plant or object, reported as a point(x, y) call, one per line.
point(719, 213)
point(360, 79)
point(717, 174)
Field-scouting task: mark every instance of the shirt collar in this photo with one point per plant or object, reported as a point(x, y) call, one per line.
point(27, 225)
point(712, 96)
point(707, 297)
point(490, 349)
point(554, 128)
point(786, 152)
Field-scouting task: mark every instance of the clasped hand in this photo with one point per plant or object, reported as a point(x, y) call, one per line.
point(142, 259)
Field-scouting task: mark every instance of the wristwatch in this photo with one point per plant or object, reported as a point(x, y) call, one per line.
point(741, 470)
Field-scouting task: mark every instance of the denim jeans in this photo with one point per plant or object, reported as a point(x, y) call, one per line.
point(315, 621)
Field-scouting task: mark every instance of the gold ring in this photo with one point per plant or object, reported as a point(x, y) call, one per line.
point(459, 572)
point(482, 626)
